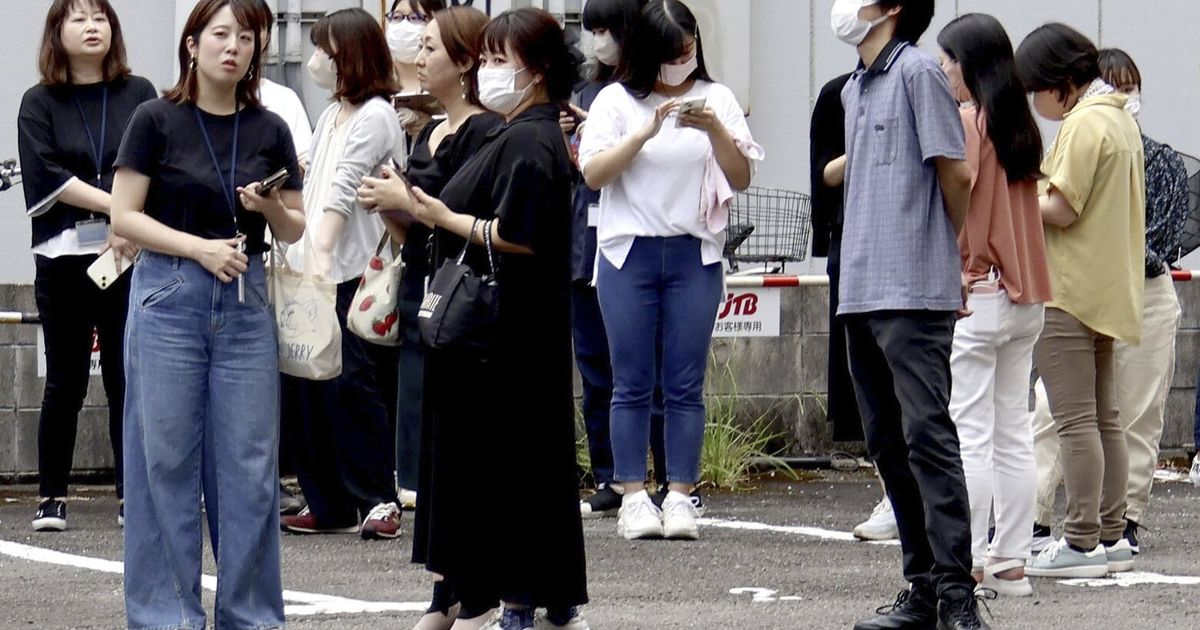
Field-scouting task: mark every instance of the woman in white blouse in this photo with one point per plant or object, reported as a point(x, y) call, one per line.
point(668, 146)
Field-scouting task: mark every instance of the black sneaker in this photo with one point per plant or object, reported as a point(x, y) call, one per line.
point(604, 504)
point(1042, 537)
point(959, 610)
point(51, 516)
point(915, 611)
point(1131, 529)
point(697, 499)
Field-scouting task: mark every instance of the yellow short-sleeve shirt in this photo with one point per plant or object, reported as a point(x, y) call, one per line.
point(1097, 264)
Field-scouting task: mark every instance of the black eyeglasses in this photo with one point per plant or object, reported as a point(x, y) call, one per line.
point(415, 18)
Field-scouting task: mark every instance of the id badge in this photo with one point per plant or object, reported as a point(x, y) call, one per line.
point(92, 232)
point(593, 215)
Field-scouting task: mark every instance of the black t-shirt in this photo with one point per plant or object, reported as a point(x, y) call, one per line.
point(522, 175)
point(430, 172)
point(53, 140)
point(164, 141)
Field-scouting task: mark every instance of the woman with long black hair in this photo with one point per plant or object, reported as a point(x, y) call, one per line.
point(666, 176)
point(1004, 266)
point(68, 131)
point(202, 355)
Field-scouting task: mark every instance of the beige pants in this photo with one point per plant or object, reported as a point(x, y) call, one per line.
point(1077, 366)
point(1144, 375)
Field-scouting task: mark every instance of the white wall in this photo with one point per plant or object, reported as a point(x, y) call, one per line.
point(790, 53)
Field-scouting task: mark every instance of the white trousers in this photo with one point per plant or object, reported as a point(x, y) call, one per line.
point(1144, 376)
point(989, 402)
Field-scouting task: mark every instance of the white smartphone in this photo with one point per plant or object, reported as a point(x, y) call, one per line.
point(690, 105)
point(103, 272)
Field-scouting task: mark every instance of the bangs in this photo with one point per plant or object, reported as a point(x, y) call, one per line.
point(496, 38)
point(600, 15)
point(1123, 76)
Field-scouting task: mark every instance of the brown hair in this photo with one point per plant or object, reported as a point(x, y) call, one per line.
point(247, 14)
point(536, 37)
point(53, 63)
point(363, 60)
point(461, 28)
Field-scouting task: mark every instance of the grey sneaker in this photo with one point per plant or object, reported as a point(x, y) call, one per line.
point(1060, 560)
point(1119, 556)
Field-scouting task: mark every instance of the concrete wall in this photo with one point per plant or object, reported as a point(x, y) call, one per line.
point(781, 377)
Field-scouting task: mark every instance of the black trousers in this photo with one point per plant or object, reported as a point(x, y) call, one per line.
point(842, 406)
point(900, 361)
point(71, 306)
point(345, 443)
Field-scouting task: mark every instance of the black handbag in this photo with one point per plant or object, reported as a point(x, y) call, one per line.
point(460, 309)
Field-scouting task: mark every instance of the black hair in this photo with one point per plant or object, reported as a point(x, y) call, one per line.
point(1057, 57)
point(536, 37)
point(660, 37)
point(618, 17)
point(982, 49)
point(424, 7)
point(1117, 68)
point(914, 19)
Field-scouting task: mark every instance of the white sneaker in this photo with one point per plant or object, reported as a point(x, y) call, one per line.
point(679, 517)
point(1060, 560)
point(639, 517)
point(881, 525)
point(1194, 475)
point(1119, 556)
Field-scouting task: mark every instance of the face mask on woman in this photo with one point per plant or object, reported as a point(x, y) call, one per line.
point(846, 23)
point(673, 75)
point(1134, 104)
point(608, 52)
point(498, 89)
point(322, 70)
point(404, 40)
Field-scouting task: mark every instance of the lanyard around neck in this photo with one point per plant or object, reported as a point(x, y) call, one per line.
point(97, 144)
point(226, 186)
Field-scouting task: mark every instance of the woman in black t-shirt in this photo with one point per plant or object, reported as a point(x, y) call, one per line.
point(68, 131)
point(202, 355)
point(510, 412)
point(447, 66)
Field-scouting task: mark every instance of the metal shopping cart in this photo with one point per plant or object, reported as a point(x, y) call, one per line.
point(768, 226)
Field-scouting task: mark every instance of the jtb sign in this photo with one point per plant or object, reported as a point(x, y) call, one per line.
point(748, 313)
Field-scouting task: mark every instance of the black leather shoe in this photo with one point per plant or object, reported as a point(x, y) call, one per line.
point(959, 610)
point(911, 611)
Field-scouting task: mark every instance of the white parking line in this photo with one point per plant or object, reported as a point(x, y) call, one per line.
point(812, 532)
point(303, 604)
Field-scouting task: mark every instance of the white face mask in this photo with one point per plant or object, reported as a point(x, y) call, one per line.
point(498, 89)
point(846, 24)
point(675, 74)
point(404, 40)
point(322, 70)
point(1134, 104)
point(608, 52)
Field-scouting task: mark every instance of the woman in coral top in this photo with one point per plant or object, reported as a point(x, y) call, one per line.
point(1004, 266)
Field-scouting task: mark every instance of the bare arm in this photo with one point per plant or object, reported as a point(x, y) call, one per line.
point(954, 176)
point(86, 196)
point(607, 166)
point(433, 212)
point(1056, 210)
point(835, 172)
point(735, 165)
point(219, 256)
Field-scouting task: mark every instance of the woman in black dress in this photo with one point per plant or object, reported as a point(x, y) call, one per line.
point(510, 414)
point(68, 131)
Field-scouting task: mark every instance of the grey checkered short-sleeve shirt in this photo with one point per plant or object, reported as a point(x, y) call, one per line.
point(899, 249)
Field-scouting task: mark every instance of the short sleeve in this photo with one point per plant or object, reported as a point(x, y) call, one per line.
point(144, 142)
point(1072, 168)
point(520, 187)
point(939, 126)
point(44, 175)
point(730, 112)
point(606, 125)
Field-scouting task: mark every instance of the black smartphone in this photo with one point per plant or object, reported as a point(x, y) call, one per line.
point(273, 182)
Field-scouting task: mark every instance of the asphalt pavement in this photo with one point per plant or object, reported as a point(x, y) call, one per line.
point(772, 558)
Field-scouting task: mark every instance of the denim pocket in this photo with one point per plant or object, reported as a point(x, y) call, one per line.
point(156, 296)
point(884, 132)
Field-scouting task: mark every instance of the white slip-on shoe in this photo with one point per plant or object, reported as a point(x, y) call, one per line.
point(1008, 588)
